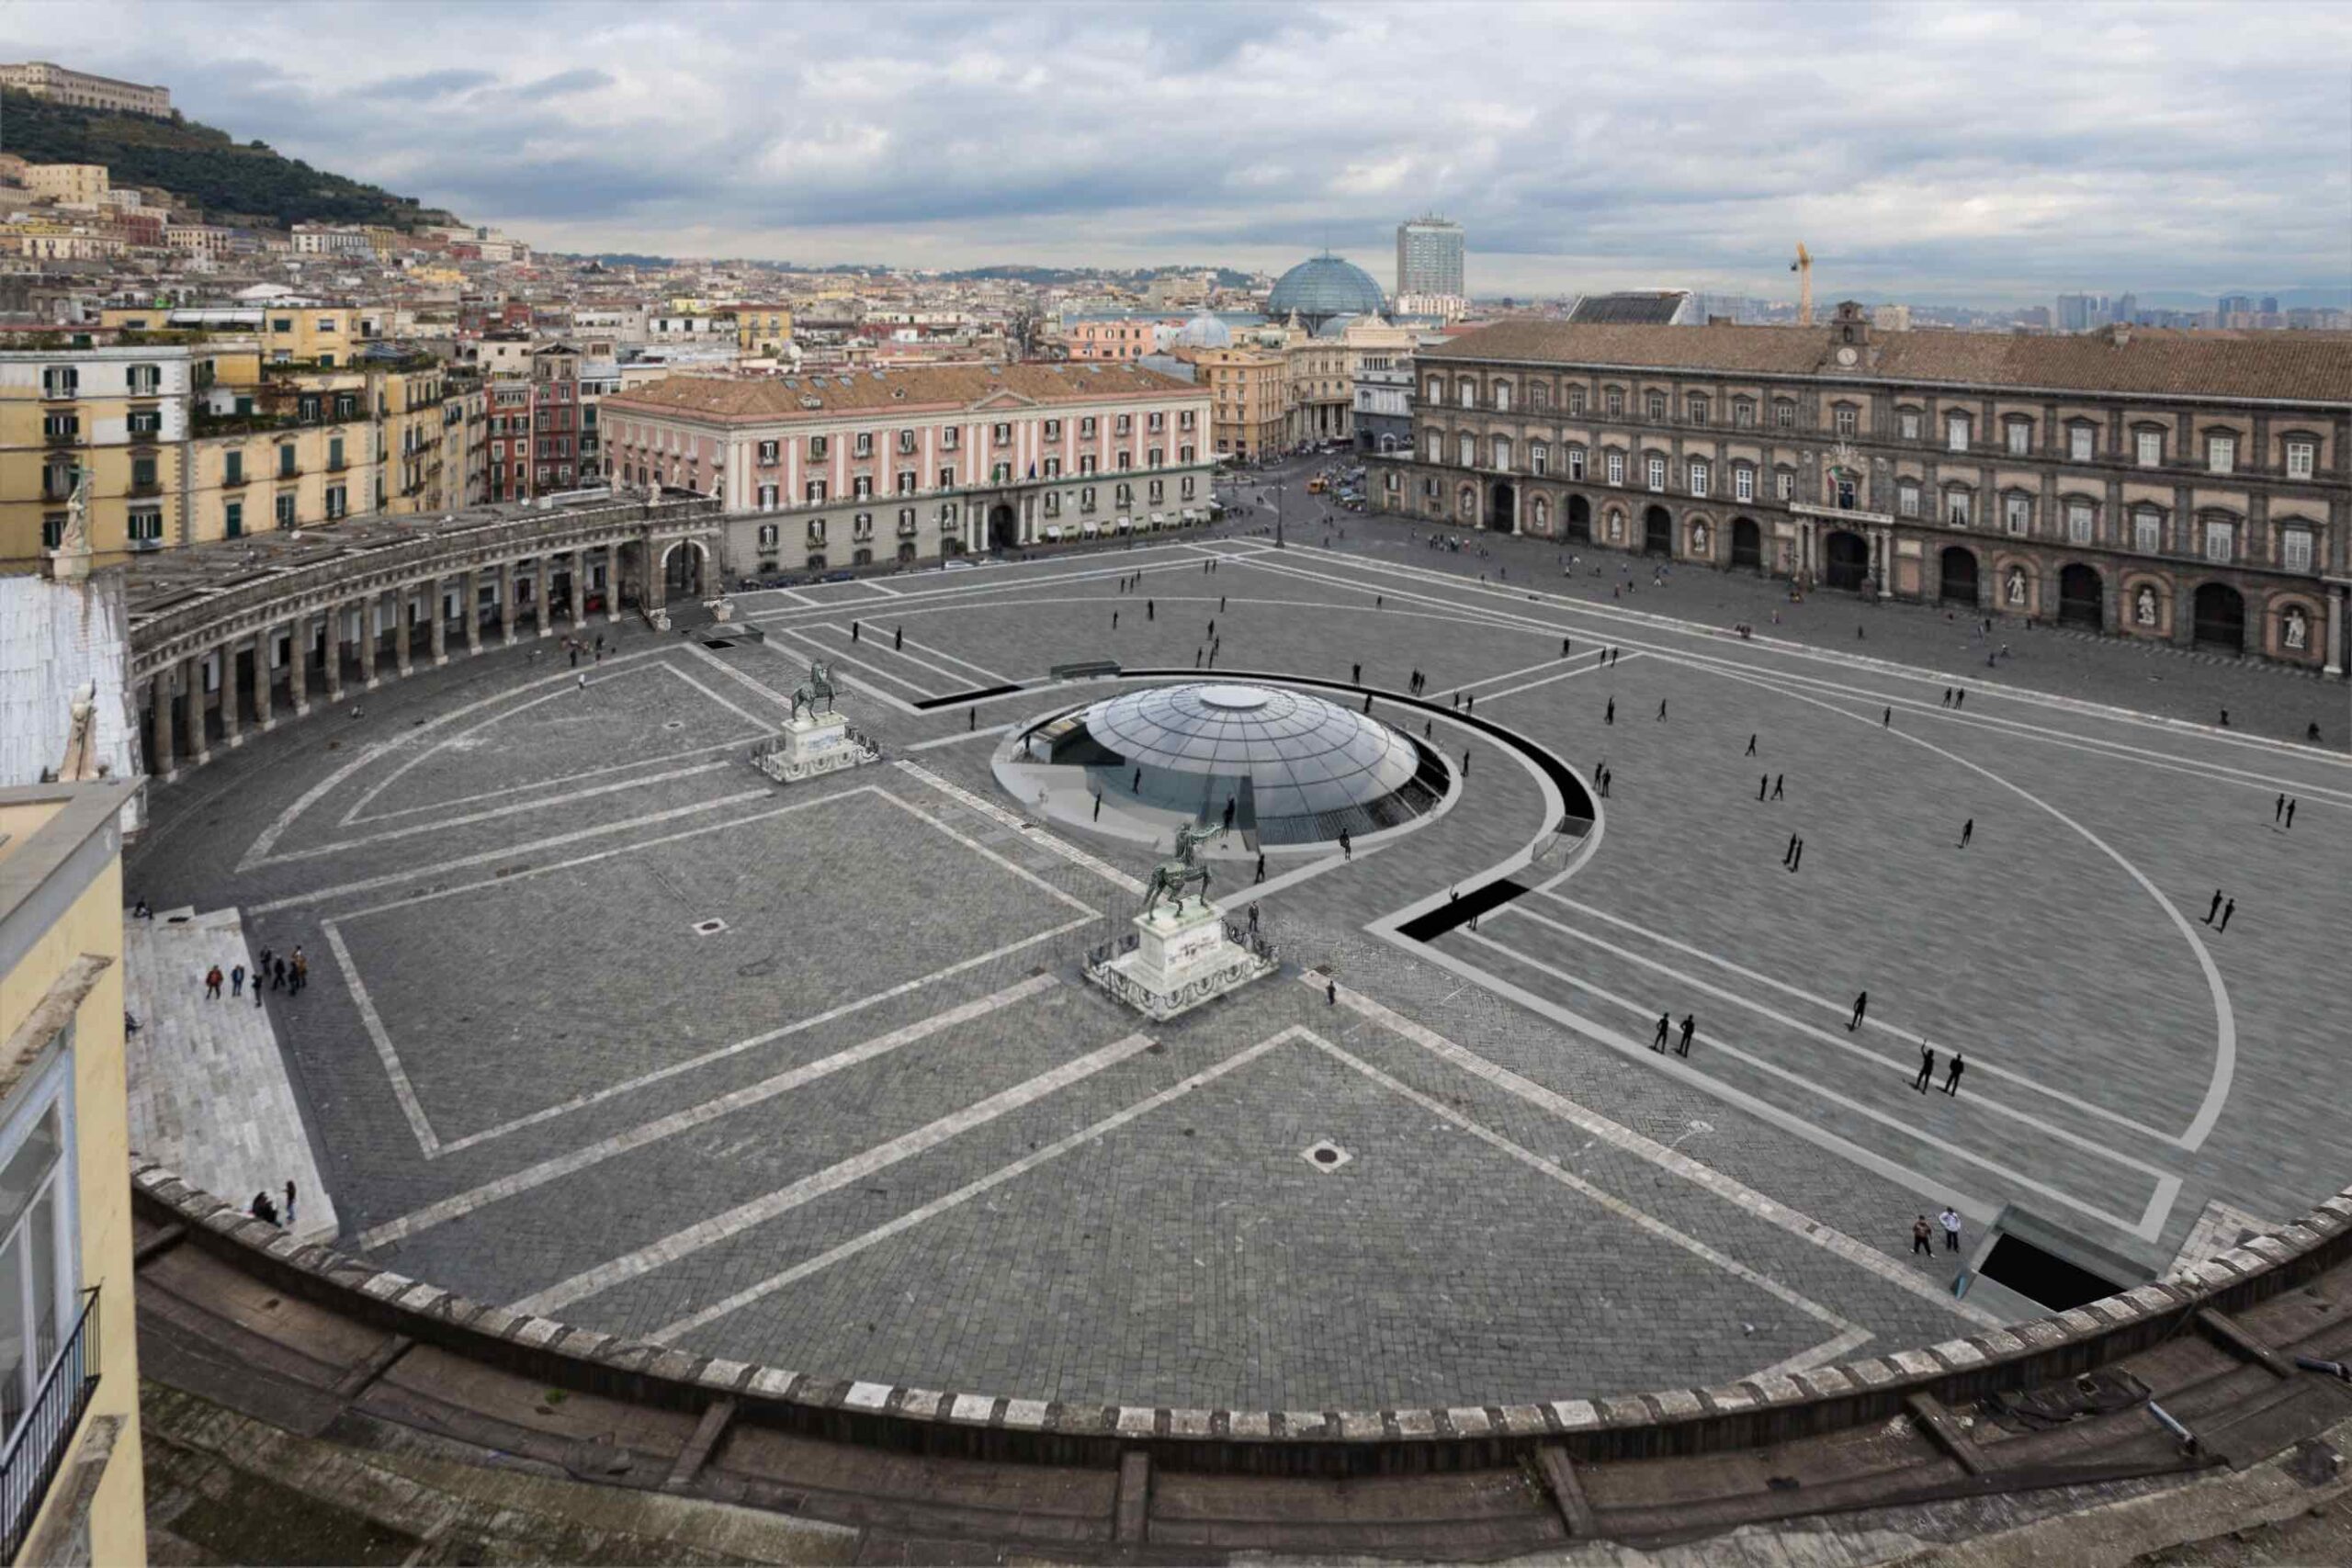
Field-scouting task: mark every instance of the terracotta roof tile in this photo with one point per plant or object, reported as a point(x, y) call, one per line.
point(931, 387)
point(2305, 365)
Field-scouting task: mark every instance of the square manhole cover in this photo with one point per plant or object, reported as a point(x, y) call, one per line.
point(1325, 1154)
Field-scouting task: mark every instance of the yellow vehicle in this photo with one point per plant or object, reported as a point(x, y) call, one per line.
point(1318, 486)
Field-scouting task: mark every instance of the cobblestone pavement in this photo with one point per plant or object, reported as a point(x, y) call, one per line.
point(604, 1024)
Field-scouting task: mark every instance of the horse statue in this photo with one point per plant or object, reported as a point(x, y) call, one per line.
point(1174, 875)
point(819, 685)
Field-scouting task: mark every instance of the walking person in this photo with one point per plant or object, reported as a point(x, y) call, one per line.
point(212, 984)
point(1798, 863)
point(2277, 810)
point(1751, 745)
point(2227, 910)
point(1780, 782)
point(301, 971)
point(1665, 1022)
point(2213, 908)
point(1950, 1220)
point(1967, 831)
point(1261, 868)
point(2290, 814)
point(1355, 674)
point(289, 1205)
point(1661, 710)
point(1791, 852)
point(1330, 993)
point(1761, 780)
point(237, 982)
point(1919, 1234)
point(1951, 1075)
point(1926, 1066)
point(1959, 697)
point(1886, 720)
point(1690, 1027)
point(277, 975)
point(1609, 716)
point(1347, 846)
point(1862, 1005)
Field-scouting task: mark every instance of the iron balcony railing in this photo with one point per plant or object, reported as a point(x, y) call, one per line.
point(45, 1430)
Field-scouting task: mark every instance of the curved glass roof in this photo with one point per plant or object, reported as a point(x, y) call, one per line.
point(1300, 755)
point(1323, 286)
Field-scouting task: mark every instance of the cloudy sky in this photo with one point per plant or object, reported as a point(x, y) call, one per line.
point(1936, 152)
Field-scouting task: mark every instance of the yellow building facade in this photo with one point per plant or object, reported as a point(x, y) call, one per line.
point(117, 414)
point(1248, 400)
point(68, 1347)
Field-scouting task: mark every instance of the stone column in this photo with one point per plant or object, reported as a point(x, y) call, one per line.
point(542, 589)
point(579, 606)
point(2335, 629)
point(473, 612)
point(331, 662)
point(192, 709)
point(437, 594)
point(367, 639)
point(612, 582)
point(656, 591)
point(231, 720)
point(298, 663)
point(400, 663)
point(263, 640)
point(506, 601)
point(162, 762)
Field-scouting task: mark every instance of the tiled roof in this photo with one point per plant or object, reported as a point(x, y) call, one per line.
point(918, 387)
point(1656, 308)
point(2306, 365)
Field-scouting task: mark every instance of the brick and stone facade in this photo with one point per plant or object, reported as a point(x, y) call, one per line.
point(2191, 488)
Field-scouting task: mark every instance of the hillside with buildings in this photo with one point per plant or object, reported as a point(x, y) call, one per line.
point(232, 182)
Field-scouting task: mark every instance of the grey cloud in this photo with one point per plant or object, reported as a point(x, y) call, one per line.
point(563, 81)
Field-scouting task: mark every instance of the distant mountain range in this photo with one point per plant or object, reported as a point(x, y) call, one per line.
point(231, 181)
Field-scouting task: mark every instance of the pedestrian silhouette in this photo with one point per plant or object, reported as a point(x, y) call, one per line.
point(1886, 720)
point(1661, 710)
point(1690, 1027)
point(1609, 716)
point(1861, 1005)
point(2227, 910)
point(2214, 908)
point(1967, 831)
point(1658, 1044)
point(1926, 1066)
point(1951, 1081)
point(1778, 780)
point(2279, 808)
point(1751, 745)
point(2290, 813)
point(1761, 780)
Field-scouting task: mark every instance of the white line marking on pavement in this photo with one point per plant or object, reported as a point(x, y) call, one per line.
point(1723, 1046)
point(1592, 669)
point(402, 1090)
point(959, 735)
point(678, 1122)
point(651, 761)
point(1736, 1193)
point(367, 884)
point(2024, 1080)
point(731, 1223)
point(989, 675)
point(1024, 872)
point(2225, 1026)
point(962, 1194)
point(1609, 1200)
point(999, 814)
point(833, 656)
point(413, 828)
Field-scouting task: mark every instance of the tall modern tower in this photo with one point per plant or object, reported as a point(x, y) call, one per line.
point(1428, 257)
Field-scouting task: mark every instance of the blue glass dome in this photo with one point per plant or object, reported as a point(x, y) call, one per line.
point(1323, 286)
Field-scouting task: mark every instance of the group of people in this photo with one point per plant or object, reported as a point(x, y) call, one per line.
point(281, 972)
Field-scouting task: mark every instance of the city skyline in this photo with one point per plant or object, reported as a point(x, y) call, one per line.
point(959, 136)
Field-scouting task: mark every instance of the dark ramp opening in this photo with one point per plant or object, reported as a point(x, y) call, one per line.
point(971, 696)
point(1459, 911)
point(2043, 1276)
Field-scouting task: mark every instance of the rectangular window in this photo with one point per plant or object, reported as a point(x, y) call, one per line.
point(1656, 471)
point(906, 481)
point(907, 437)
point(1909, 424)
point(816, 491)
point(146, 423)
point(947, 479)
point(771, 534)
point(1956, 508)
point(334, 452)
point(2300, 457)
point(2150, 444)
point(1906, 499)
point(232, 519)
point(60, 381)
point(2017, 512)
point(1436, 392)
point(1576, 399)
point(1655, 403)
point(1784, 484)
point(768, 453)
point(1847, 420)
point(1695, 409)
point(2078, 522)
point(2220, 541)
point(1616, 467)
point(2147, 533)
point(864, 444)
point(1616, 396)
point(2222, 454)
point(1502, 397)
point(1743, 484)
point(820, 448)
point(860, 488)
point(1466, 393)
point(338, 502)
point(2295, 549)
point(1743, 415)
point(233, 468)
point(2081, 440)
point(1956, 433)
point(1539, 460)
point(285, 510)
point(951, 437)
point(2020, 437)
point(1698, 478)
point(1575, 462)
point(1502, 453)
point(1784, 414)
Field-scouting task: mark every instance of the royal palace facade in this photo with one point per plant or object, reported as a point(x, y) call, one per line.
point(2187, 487)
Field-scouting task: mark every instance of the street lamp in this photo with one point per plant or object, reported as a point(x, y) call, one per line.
point(1278, 514)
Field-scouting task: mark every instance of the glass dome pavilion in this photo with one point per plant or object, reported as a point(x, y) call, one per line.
point(1323, 286)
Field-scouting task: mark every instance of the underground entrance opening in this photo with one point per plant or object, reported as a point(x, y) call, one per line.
point(2043, 1276)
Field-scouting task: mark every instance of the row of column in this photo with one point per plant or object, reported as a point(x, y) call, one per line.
point(176, 697)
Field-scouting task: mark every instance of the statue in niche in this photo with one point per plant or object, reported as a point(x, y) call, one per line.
point(2143, 606)
point(2295, 629)
point(2016, 591)
point(1698, 538)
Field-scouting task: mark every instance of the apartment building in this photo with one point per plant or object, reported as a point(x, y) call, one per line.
point(119, 415)
point(40, 79)
point(2190, 487)
point(1249, 390)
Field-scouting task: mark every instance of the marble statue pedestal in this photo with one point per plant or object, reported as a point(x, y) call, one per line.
point(1180, 957)
point(813, 744)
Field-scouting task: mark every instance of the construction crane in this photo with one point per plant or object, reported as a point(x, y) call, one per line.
point(1803, 268)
